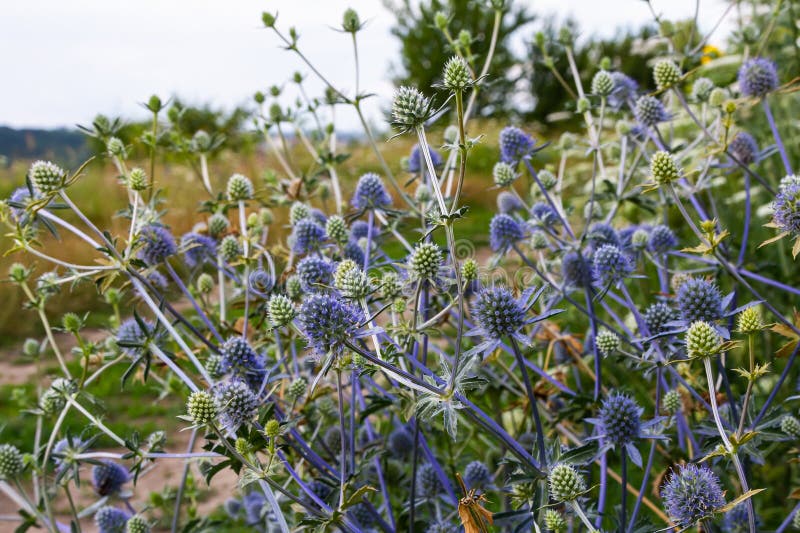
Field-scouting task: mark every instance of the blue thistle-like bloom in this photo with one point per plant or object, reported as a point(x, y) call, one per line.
point(744, 148)
point(315, 273)
point(620, 419)
point(428, 484)
point(400, 442)
point(624, 89)
point(198, 249)
point(576, 270)
point(504, 231)
point(237, 355)
point(602, 233)
point(64, 449)
point(757, 77)
point(307, 236)
point(477, 475)
point(416, 161)
point(650, 111)
point(498, 313)
point(515, 144)
point(108, 477)
point(699, 299)
point(319, 216)
point(21, 196)
point(130, 332)
point(610, 265)
point(327, 321)
point(787, 206)
point(354, 252)
point(544, 214)
point(156, 279)
point(691, 494)
point(508, 202)
point(253, 504)
point(157, 244)
point(237, 402)
point(260, 283)
point(661, 240)
point(109, 519)
point(360, 229)
point(657, 316)
point(371, 193)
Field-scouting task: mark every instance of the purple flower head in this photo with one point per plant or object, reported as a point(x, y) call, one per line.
point(576, 270)
point(757, 77)
point(359, 230)
point(736, 520)
point(315, 273)
point(260, 283)
point(620, 419)
point(239, 357)
point(237, 402)
point(477, 475)
point(108, 477)
point(327, 321)
point(650, 111)
point(624, 89)
point(22, 197)
point(64, 449)
point(600, 234)
point(156, 279)
point(253, 504)
point(428, 484)
point(307, 236)
point(109, 519)
point(692, 494)
point(657, 316)
point(661, 240)
point(400, 442)
point(610, 265)
point(198, 249)
point(371, 193)
point(504, 231)
point(515, 145)
point(319, 216)
point(363, 516)
point(787, 205)
point(130, 332)
point(699, 299)
point(498, 313)
point(416, 162)
point(544, 214)
point(157, 244)
point(508, 202)
point(353, 251)
point(744, 148)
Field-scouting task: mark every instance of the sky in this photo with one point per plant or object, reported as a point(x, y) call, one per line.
point(64, 62)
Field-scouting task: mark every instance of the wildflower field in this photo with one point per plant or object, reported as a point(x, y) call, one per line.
point(446, 324)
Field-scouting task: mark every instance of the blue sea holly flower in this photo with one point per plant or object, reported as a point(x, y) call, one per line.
point(239, 358)
point(315, 273)
point(360, 230)
point(576, 270)
point(758, 77)
point(416, 162)
point(624, 89)
point(744, 148)
point(307, 236)
point(371, 193)
point(650, 111)
point(157, 244)
point(661, 240)
point(108, 477)
point(237, 403)
point(610, 265)
point(353, 252)
point(328, 321)
point(692, 494)
point(600, 234)
point(787, 206)
point(737, 521)
point(619, 425)
point(109, 519)
point(508, 202)
point(477, 475)
point(260, 283)
point(543, 214)
point(515, 145)
point(198, 249)
point(132, 339)
point(504, 231)
point(699, 299)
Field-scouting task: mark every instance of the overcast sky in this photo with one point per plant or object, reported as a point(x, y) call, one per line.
point(65, 61)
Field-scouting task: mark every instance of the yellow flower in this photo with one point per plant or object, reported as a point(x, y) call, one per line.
point(710, 52)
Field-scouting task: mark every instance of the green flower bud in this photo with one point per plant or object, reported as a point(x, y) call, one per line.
point(602, 83)
point(272, 429)
point(399, 306)
point(702, 340)
point(229, 249)
point(464, 39)
point(554, 522)
point(268, 19)
point(749, 321)
point(350, 21)
point(116, 148)
point(297, 389)
point(457, 76)
point(663, 168)
point(666, 74)
point(440, 20)
point(137, 180)
point(336, 228)
point(425, 261)
point(538, 240)
point(294, 287)
point(205, 283)
point(673, 403)
point(281, 310)
point(469, 269)
point(790, 426)
point(410, 107)
point(298, 212)
point(218, 224)
point(504, 174)
point(71, 322)
point(717, 97)
point(31, 348)
point(548, 179)
point(565, 483)
point(137, 524)
point(154, 104)
point(701, 89)
point(202, 407)
point(639, 238)
point(11, 463)
point(607, 342)
point(46, 177)
point(239, 188)
point(583, 105)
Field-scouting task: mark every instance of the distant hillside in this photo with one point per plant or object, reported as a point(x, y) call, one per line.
point(65, 145)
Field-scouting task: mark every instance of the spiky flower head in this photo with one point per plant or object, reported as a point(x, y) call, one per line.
point(297, 389)
point(477, 475)
point(239, 188)
point(758, 77)
point(52, 401)
point(663, 168)
point(11, 463)
point(108, 477)
point(673, 403)
point(230, 249)
point(351, 281)
point(109, 519)
point(410, 107)
point(390, 285)
point(280, 310)
point(610, 265)
point(198, 249)
point(508, 202)
point(416, 160)
point(620, 419)
point(790, 426)
point(515, 145)
point(744, 148)
point(202, 407)
point(137, 179)
point(498, 313)
point(625, 89)
point(692, 493)
point(699, 299)
point(602, 83)
point(650, 111)
point(132, 338)
point(576, 270)
point(504, 174)
point(46, 177)
point(469, 269)
point(371, 193)
point(315, 273)
point(238, 356)
point(702, 340)
point(425, 261)
point(294, 287)
point(350, 21)
point(504, 231)
point(218, 224)
point(236, 402)
point(701, 89)
point(749, 321)
point(428, 484)
point(565, 483)
point(661, 239)
point(336, 228)
point(307, 236)
point(328, 321)
point(456, 75)
point(607, 342)
point(297, 212)
point(157, 244)
point(666, 74)
point(554, 521)
point(137, 524)
point(787, 205)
